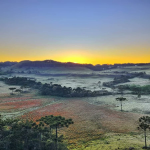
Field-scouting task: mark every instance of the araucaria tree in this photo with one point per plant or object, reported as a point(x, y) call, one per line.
point(12, 89)
point(16, 134)
point(55, 122)
point(144, 124)
point(121, 99)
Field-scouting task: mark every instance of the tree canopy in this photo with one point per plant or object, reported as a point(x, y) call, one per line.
point(18, 134)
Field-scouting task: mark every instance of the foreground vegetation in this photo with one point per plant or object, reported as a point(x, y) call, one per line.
point(16, 134)
point(42, 134)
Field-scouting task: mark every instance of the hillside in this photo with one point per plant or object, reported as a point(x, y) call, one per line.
point(51, 64)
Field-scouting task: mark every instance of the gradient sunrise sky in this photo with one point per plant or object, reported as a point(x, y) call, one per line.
point(82, 31)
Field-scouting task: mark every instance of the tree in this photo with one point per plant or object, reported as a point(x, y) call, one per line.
point(56, 122)
point(18, 91)
point(121, 99)
point(51, 83)
point(16, 134)
point(138, 91)
point(139, 95)
point(144, 124)
point(99, 84)
point(12, 89)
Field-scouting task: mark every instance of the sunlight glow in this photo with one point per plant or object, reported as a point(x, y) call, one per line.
point(75, 59)
point(75, 56)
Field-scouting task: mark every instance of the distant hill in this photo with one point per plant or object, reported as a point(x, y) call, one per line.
point(55, 64)
point(7, 64)
point(45, 63)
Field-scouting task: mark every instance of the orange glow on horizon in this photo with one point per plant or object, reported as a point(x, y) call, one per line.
point(74, 56)
point(84, 60)
point(82, 56)
point(77, 60)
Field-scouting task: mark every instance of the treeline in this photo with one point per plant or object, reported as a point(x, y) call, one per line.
point(136, 89)
point(125, 78)
point(42, 134)
point(117, 80)
point(58, 90)
point(53, 89)
point(63, 91)
point(22, 81)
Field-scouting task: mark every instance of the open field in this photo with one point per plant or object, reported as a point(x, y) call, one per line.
point(98, 122)
point(93, 122)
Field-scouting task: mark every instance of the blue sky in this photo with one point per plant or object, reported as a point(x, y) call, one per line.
point(84, 31)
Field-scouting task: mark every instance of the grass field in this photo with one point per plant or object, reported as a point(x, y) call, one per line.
point(95, 126)
point(98, 122)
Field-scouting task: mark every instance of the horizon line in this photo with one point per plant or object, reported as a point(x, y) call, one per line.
point(73, 62)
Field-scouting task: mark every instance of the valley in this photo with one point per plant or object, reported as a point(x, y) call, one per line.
point(98, 121)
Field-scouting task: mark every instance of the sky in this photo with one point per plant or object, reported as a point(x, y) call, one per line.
point(80, 31)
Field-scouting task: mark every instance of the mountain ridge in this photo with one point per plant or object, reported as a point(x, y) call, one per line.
point(56, 64)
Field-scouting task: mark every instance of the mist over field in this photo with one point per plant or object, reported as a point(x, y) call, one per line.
point(90, 101)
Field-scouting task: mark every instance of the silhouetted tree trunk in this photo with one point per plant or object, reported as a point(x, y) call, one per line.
point(56, 138)
point(121, 105)
point(145, 138)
